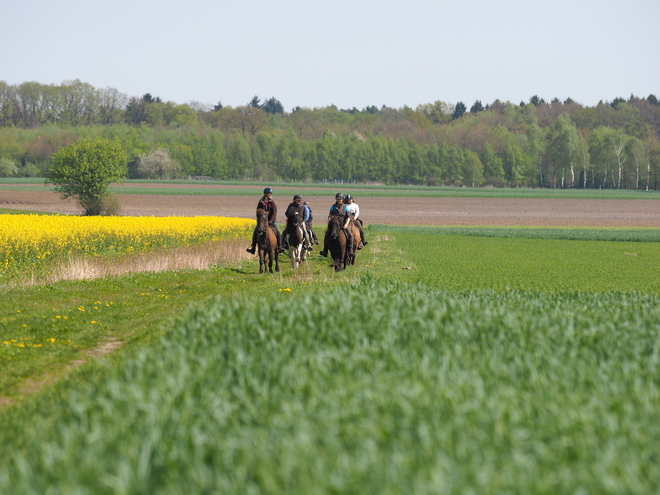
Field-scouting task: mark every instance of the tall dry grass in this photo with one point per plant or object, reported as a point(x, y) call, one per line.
point(193, 257)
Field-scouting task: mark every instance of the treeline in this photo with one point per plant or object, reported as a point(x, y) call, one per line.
point(554, 144)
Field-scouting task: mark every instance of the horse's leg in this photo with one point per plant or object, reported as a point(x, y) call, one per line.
point(261, 260)
point(303, 254)
point(292, 255)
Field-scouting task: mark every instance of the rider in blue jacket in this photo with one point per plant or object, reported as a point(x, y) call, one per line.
point(339, 209)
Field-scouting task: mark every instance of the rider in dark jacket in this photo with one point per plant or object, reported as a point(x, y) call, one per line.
point(267, 203)
point(297, 208)
point(339, 209)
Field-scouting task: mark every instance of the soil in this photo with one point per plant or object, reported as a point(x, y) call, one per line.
point(383, 210)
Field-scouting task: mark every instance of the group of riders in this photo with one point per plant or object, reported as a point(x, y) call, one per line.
point(344, 207)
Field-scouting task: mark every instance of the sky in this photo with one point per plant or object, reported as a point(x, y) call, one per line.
point(350, 53)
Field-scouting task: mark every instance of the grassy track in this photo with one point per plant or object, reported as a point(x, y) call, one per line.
point(440, 364)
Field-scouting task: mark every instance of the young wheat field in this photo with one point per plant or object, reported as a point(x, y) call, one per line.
point(447, 360)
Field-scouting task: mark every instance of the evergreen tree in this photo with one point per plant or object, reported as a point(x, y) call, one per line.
point(272, 105)
point(477, 107)
point(459, 110)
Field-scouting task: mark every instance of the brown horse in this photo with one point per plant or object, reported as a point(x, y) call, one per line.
point(337, 243)
point(267, 243)
point(355, 234)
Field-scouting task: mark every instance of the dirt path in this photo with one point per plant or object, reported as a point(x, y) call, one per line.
point(392, 211)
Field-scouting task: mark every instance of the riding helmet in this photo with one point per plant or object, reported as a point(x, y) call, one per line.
point(297, 197)
point(339, 196)
point(348, 196)
point(268, 190)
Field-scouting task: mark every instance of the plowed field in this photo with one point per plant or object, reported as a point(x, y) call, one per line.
point(384, 210)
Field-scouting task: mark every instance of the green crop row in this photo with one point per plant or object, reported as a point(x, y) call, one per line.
point(386, 388)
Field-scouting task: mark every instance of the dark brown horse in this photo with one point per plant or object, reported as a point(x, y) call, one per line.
point(267, 243)
point(337, 243)
point(296, 240)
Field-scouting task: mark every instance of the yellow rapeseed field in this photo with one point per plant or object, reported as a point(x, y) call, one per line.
point(34, 241)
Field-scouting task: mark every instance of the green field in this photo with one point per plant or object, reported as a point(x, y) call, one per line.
point(324, 189)
point(504, 360)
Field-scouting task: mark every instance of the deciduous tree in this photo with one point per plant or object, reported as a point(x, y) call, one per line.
point(157, 164)
point(85, 169)
point(562, 151)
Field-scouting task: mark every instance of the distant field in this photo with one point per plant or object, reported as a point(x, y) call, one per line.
point(242, 188)
point(391, 205)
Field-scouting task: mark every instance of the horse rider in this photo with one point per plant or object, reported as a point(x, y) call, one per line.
point(339, 208)
point(267, 203)
point(309, 217)
point(296, 207)
point(355, 211)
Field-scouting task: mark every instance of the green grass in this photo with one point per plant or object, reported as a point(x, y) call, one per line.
point(9, 211)
point(329, 189)
point(616, 234)
point(123, 308)
point(439, 364)
point(467, 262)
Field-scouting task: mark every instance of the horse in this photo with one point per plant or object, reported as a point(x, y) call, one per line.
point(296, 240)
point(267, 243)
point(337, 244)
point(355, 233)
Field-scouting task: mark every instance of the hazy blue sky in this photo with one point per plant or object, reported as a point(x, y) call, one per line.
point(351, 53)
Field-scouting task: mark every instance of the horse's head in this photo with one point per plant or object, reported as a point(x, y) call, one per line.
point(262, 221)
point(334, 226)
point(295, 220)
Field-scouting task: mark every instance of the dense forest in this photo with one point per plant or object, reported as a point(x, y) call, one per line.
point(538, 143)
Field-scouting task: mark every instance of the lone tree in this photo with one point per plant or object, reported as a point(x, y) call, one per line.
point(85, 169)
